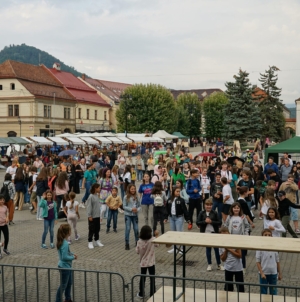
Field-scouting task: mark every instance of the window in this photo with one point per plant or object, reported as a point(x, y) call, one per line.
point(16, 107)
point(1, 87)
point(96, 114)
point(79, 113)
point(10, 110)
point(67, 113)
point(47, 111)
point(88, 114)
point(105, 117)
point(12, 86)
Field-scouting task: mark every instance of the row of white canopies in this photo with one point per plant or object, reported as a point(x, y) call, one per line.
point(99, 138)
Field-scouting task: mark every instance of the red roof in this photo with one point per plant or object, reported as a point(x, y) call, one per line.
point(77, 88)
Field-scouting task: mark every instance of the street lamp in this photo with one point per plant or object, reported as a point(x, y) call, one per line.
point(20, 123)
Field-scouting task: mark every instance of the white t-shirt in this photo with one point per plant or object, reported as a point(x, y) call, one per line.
point(279, 228)
point(226, 174)
point(232, 263)
point(173, 208)
point(236, 225)
point(34, 177)
point(227, 191)
point(205, 182)
point(11, 170)
point(73, 210)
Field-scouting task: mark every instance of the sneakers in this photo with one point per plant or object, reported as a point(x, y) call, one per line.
point(77, 237)
point(11, 223)
point(297, 231)
point(31, 208)
point(107, 231)
point(16, 208)
point(127, 248)
point(171, 251)
point(40, 219)
point(52, 245)
point(115, 231)
point(69, 241)
point(90, 246)
point(260, 217)
point(44, 246)
point(138, 295)
point(209, 268)
point(221, 268)
point(98, 243)
point(82, 205)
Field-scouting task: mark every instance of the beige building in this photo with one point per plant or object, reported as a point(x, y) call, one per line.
point(32, 102)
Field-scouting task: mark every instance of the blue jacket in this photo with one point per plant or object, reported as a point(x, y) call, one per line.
point(191, 185)
point(129, 205)
point(65, 256)
point(268, 166)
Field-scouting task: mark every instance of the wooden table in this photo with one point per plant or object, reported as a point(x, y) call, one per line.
point(190, 239)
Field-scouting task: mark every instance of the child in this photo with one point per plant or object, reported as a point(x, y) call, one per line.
point(145, 248)
point(269, 202)
point(113, 202)
point(71, 211)
point(209, 222)
point(243, 193)
point(269, 267)
point(237, 224)
point(232, 265)
point(62, 213)
point(4, 220)
point(131, 206)
point(247, 182)
point(65, 261)
point(273, 222)
point(93, 213)
point(160, 199)
point(50, 217)
point(183, 193)
point(227, 198)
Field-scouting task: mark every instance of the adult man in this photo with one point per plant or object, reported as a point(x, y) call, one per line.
point(274, 176)
point(291, 189)
point(270, 165)
point(255, 161)
point(145, 158)
point(285, 169)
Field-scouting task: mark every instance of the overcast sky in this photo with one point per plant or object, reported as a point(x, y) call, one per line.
point(180, 44)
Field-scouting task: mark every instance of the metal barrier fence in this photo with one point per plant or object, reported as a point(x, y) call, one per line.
point(192, 290)
point(31, 283)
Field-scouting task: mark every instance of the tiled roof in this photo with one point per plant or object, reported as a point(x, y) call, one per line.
point(201, 93)
point(77, 88)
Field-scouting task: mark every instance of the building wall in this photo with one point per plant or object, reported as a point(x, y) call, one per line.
point(297, 117)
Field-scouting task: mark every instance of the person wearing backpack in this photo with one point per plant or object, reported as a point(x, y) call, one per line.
point(157, 174)
point(8, 191)
point(159, 197)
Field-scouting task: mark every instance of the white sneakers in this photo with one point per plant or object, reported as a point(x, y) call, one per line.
point(82, 206)
point(98, 243)
point(209, 268)
point(171, 251)
point(90, 246)
point(219, 268)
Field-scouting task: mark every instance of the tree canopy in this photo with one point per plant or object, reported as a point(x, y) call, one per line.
point(148, 107)
point(213, 110)
point(183, 121)
point(242, 117)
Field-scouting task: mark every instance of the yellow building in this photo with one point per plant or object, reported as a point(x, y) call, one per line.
point(32, 102)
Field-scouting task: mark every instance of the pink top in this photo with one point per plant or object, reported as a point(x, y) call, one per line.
point(145, 248)
point(63, 191)
point(3, 215)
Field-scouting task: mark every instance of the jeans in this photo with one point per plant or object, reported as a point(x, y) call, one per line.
point(26, 195)
point(122, 192)
point(65, 286)
point(134, 221)
point(270, 279)
point(39, 211)
point(59, 198)
point(88, 185)
point(48, 226)
point(151, 271)
point(139, 175)
point(217, 255)
point(219, 206)
point(114, 215)
point(176, 223)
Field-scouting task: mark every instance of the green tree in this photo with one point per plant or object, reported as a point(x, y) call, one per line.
point(148, 108)
point(192, 105)
point(183, 121)
point(242, 117)
point(213, 110)
point(271, 107)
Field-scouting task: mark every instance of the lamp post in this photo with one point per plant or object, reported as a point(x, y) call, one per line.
point(20, 123)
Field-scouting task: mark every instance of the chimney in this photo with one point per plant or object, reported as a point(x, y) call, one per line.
point(56, 66)
point(83, 76)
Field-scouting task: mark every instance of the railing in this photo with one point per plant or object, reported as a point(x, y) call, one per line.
point(192, 290)
point(31, 283)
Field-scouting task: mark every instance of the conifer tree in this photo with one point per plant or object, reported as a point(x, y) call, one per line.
point(242, 117)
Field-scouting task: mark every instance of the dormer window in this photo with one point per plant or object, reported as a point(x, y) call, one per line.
point(12, 86)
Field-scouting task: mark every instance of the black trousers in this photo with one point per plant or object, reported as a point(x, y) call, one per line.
point(151, 271)
point(239, 277)
point(158, 215)
point(4, 230)
point(94, 229)
point(194, 204)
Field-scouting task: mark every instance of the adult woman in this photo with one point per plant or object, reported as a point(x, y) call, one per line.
point(89, 178)
point(106, 185)
point(61, 188)
point(19, 181)
point(204, 163)
point(41, 187)
point(76, 176)
point(175, 176)
point(150, 164)
point(140, 167)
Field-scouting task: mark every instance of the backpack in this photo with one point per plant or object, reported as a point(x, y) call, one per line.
point(158, 201)
point(5, 192)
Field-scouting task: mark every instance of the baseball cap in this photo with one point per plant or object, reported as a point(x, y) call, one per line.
point(281, 193)
point(247, 150)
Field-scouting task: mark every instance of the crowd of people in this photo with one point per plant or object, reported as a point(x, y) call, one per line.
point(157, 190)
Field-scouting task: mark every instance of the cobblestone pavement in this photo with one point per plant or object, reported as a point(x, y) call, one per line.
point(25, 241)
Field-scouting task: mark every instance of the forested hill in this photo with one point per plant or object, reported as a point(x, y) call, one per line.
point(31, 55)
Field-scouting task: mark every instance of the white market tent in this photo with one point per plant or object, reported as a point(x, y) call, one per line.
point(115, 139)
point(103, 140)
point(66, 135)
point(89, 140)
point(125, 139)
point(40, 140)
point(76, 140)
point(140, 138)
point(59, 141)
point(164, 135)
